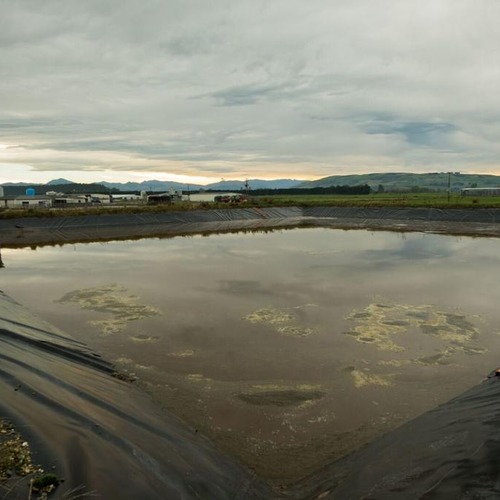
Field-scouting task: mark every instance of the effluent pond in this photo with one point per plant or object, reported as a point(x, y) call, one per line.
point(288, 349)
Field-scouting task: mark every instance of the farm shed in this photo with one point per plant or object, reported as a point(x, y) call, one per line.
point(25, 201)
point(214, 197)
point(485, 191)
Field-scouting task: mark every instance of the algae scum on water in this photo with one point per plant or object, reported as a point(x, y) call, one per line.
point(114, 300)
point(284, 323)
point(386, 327)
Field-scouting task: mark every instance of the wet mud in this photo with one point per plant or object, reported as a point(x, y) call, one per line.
point(283, 397)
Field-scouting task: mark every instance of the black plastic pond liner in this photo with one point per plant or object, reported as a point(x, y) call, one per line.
point(45, 230)
point(452, 452)
point(101, 434)
point(487, 216)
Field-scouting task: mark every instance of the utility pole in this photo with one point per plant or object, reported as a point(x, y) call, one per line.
point(449, 186)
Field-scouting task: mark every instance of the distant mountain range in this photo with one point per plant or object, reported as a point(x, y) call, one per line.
point(155, 185)
point(58, 182)
point(395, 181)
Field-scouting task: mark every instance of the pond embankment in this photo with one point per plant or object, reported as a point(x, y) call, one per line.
point(52, 230)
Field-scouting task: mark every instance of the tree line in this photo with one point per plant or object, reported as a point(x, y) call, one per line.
point(361, 189)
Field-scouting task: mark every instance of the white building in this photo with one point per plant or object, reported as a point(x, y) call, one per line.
point(211, 197)
point(72, 200)
point(26, 201)
point(126, 197)
point(484, 191)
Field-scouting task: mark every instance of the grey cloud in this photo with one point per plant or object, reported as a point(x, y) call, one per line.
point(264, 86)
point(247, 94)
point(418, 133)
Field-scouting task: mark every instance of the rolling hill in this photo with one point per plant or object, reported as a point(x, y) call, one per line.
point(395, 181)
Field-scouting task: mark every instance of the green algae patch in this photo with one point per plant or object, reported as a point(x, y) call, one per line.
point(441, 358)
point(362, 379)
point(473, 351)
point(275, 395)
point(144, 339)
point(182, 354)
point(385, 325)
point(282, 322)
point(294, 331)
point(114, 300)
point(270, 316)
point(394, 362)
point(198, 377)
point(377, 325)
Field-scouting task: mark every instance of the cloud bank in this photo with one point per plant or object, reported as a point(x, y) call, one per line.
point(248, 88)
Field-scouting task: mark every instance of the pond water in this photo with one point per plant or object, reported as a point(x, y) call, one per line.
point(287, 348)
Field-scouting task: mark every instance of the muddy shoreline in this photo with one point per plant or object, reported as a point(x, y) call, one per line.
point(30, 231)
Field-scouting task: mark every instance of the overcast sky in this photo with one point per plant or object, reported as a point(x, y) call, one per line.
point(142, 89)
